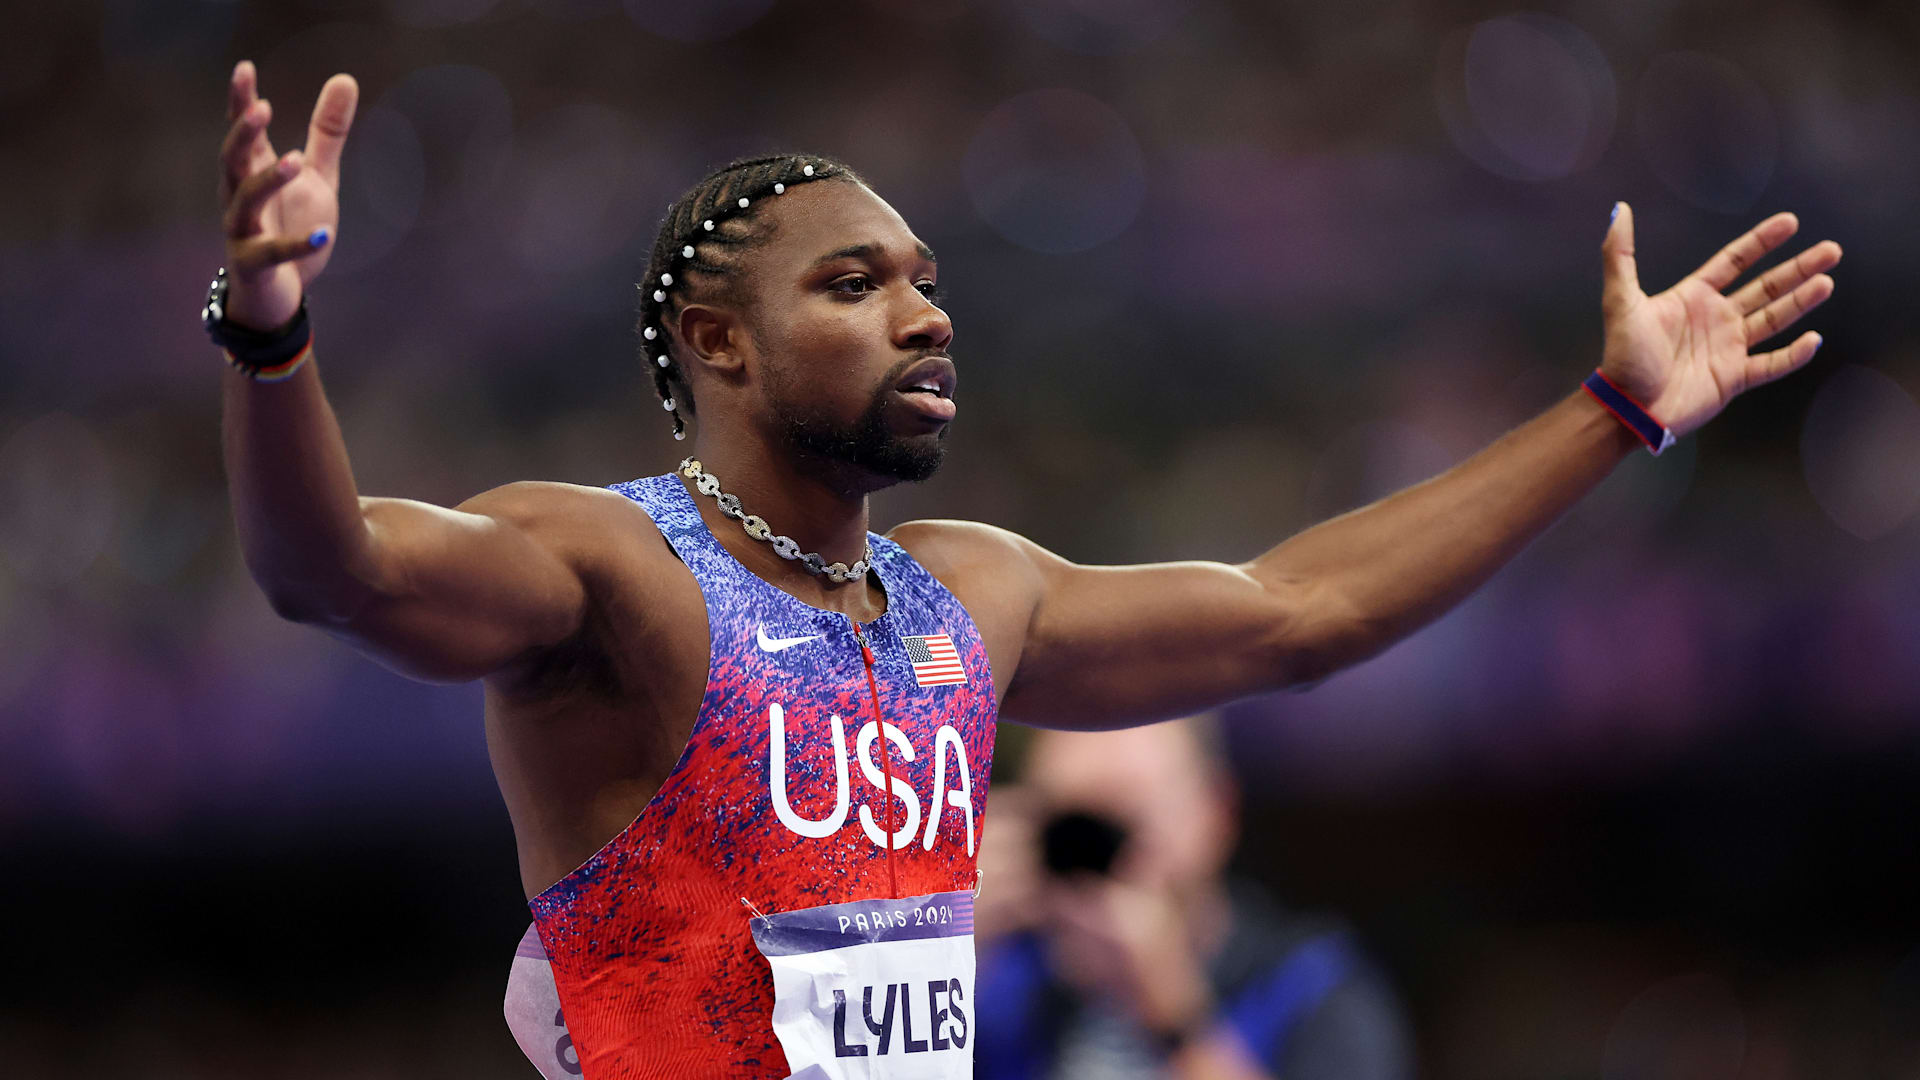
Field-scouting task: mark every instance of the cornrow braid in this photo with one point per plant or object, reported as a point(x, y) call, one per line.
point(699, 251)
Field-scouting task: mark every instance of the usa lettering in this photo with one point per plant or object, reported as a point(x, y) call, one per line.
point(947, 746)
point(941, 1020)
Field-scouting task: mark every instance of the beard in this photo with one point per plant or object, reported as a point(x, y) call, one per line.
point(867, 444)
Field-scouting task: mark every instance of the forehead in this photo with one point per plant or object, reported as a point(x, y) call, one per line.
point(826, 216)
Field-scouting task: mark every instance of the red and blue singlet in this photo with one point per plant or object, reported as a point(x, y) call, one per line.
point(782, 796)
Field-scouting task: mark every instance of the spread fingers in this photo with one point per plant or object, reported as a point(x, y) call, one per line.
point(246, 149)
point(1787, 310)
point(1740, 256)
point(243, 211)
point(1786, 277)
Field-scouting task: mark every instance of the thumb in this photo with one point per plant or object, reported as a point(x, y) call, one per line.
point(1619, 275)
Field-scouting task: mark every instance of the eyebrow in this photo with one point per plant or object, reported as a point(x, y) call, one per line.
point(870, 250)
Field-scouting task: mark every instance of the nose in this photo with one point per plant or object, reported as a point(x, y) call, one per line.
point(923, 325)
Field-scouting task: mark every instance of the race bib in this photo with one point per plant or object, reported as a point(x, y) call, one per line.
point(533, 1014)
point(874, 988)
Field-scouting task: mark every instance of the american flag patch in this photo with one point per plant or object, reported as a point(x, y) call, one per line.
point(935, 661)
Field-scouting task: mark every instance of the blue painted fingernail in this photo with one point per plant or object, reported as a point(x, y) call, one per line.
point(1615, 216)
point(319, 237)
point(1817, 342)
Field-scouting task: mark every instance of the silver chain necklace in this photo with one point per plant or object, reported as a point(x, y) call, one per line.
point(756, 527)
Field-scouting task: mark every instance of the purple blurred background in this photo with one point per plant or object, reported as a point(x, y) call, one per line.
point(1641, 808)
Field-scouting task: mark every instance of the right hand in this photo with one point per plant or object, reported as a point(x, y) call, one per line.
point(273, 206)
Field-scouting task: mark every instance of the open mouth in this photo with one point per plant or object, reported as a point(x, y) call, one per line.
point(935, 375)
point(929, 403)
point(928, 387)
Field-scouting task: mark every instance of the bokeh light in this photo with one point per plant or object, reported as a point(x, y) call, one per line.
point(1860, 449)
point(1296, 235)
point(1370, 462)
point(1055, 171)
point(1527, 97)
point(577, 204)
point(462, 118)
point(383, 184)
point(1707, 131)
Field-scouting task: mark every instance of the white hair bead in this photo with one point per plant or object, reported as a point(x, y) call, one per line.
point(779, 189)
point(661, 359)
point(707, 224)
point(743, 202)
point(659, 296)
point(649, 333)
point(666, 279)
point(678, 435)
point(808, 170)
point(687, 252)
point(667, 404)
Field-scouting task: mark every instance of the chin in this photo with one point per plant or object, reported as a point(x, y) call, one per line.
point(871, 445)
point(910, 459)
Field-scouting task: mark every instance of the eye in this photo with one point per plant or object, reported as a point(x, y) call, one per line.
point(932, 292)
point(852, 284)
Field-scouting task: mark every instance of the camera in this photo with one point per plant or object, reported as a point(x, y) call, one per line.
point(1078, 842)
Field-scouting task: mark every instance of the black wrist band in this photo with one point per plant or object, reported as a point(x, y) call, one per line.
point(253, 351)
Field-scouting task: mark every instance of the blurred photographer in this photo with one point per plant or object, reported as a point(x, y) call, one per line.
point(1113, 945)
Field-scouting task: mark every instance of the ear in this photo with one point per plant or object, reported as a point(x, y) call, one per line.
point(715, 338)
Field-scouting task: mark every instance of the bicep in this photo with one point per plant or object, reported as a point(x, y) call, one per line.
point(449, 595)
point(1113, 646)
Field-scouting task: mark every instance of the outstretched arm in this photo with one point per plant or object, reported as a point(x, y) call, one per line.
point(1110, 646)
point(436, 593)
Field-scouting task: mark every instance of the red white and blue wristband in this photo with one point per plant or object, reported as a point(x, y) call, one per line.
point(1628, 411)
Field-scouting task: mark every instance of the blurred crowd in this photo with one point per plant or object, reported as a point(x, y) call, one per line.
point(1218, 270)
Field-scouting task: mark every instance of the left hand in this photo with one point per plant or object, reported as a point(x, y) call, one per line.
point(1683, 354)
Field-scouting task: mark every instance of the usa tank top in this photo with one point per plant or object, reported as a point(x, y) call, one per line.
point(789, 794)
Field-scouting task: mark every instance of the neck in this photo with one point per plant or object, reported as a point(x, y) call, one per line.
point(820, 508)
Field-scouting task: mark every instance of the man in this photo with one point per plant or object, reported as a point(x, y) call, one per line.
point(1114, 945)
point(669, 692)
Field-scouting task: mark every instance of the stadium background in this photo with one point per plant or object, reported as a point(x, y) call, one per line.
point(1644, 807)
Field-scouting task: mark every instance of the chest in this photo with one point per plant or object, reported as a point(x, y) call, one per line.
point(818, 728)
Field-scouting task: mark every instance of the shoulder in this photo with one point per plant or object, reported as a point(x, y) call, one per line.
point(970, 551)
point(553, 510)
point(532, 501)
point(994, 574)
point(581, 524)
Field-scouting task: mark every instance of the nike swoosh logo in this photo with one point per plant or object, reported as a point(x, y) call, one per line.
point(768, 644)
